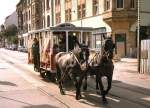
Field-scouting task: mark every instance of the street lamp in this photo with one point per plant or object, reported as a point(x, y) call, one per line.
point(138, 36)
point(81, 20)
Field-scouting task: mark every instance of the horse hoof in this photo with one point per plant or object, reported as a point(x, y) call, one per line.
point(78, 97)
point(105, 101)
point(98, 92)
point(85, 88)
point(105, 92)
point(62, 92)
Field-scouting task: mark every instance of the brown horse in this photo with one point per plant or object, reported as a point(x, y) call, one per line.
point(101, 65)
point(72, 64)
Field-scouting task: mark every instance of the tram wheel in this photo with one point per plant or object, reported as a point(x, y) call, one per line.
point(42, 73)
point(48, 75)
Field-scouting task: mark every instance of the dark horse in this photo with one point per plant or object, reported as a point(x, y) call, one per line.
point(72, 64)
point(101, 65)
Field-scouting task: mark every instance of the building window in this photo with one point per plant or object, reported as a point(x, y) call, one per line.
point(95, 7)
point(29, 15)
point(120, 3)
point(58, 18)
point(48, 21)
point(43, 6)
point(58, 12)
point(81, 9)
point(107, 5)
point(29, 27)
point(26, 16)
point(47, 4)
point(132, 3)
point(33, 9)
point(67, 10)
point(29, 1)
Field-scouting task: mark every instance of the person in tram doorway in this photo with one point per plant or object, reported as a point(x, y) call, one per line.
point(36, 55)
point(62, 42)
point(73, 41)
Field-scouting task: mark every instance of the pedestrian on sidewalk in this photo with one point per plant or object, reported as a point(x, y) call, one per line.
point(36, 55)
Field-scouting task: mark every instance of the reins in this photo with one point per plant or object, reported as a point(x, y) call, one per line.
point(93, 57)
point(75, 58)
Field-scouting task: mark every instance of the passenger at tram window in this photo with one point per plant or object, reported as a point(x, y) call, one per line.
point(62, 43)
point(76, 42)
point(72, 42)
point(56, 48)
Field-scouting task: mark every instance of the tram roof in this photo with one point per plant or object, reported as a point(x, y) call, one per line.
point(69, 27)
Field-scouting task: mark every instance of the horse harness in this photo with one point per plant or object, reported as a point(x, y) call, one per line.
point(105, 54)
point(63, 76)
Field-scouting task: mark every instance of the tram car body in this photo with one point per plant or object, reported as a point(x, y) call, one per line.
point(56, 40)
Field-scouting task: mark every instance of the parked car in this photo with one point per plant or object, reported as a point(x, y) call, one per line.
point(14, 47)
point(22, 48)
point(11, 47)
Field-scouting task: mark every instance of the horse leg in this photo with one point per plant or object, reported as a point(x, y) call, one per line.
point(102, 90)
point(109, 81)
point(61, 88)
point(85, 82)
point(58, 75)
point(78, 93)
point(77, 85)
point(97, 83)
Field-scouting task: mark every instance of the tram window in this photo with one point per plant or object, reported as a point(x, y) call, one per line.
point(87, 38)
point(59, 41)
point(97, 41)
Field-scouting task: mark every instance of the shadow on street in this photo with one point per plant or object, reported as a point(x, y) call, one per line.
point(40, 106)
point(7, 83)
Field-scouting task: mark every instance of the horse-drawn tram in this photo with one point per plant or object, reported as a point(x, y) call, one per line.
point(57, 39)
point(58, 54)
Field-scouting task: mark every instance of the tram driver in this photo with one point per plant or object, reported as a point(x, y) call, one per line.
point(62, 43)
point(72, 42)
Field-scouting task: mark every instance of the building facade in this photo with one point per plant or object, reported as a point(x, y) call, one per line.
point(11, 19)
point(117, 18)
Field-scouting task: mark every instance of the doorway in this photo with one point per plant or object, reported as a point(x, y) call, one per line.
point(120, 41)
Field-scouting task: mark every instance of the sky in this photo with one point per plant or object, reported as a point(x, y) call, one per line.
point(7, 7)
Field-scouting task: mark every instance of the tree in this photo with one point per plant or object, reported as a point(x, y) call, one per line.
point(2, 34)
point(11, 30)
point(11, 34)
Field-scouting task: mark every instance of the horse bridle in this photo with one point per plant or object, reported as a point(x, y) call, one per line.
point(106, 53)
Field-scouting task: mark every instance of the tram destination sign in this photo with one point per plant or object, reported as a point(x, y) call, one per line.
point(101, 30)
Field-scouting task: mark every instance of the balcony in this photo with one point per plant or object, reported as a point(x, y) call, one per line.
point(119, 15)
